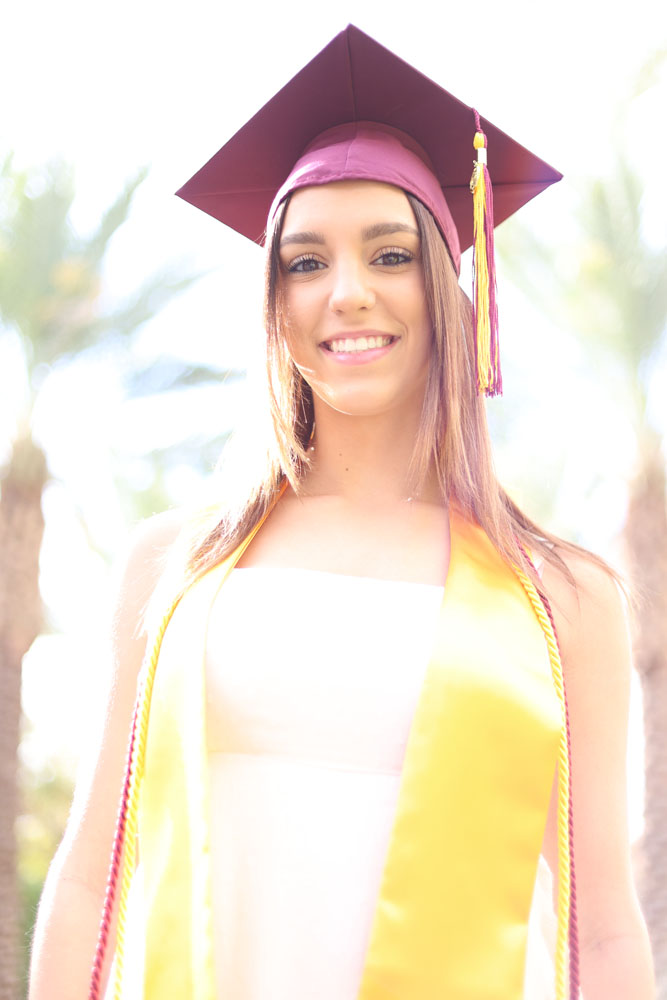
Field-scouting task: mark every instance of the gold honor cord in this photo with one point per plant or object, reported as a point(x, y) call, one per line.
point(565, 941)
point(123, 855)
point(136, 773)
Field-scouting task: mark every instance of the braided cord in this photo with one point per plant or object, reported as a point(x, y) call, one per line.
point(567, 960)
point(137, 763)
point(112, 878)
point(123, 854)
point(574, 934)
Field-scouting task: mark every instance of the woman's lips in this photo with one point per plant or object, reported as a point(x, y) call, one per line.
point(358, 349)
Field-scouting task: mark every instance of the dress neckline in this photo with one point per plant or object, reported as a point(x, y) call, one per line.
point(330, 574)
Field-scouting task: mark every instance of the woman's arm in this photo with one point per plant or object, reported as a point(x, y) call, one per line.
point(592, 626)
point(71, 904)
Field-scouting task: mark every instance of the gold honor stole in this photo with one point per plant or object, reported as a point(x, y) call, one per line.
point(451, 918)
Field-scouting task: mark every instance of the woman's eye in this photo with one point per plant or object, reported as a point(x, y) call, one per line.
point(304, 265)
point(393, 258)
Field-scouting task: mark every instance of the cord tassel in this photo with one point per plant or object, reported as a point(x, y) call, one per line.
point(484, 298)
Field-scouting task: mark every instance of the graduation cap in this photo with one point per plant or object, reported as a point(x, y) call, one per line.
point(358, 111)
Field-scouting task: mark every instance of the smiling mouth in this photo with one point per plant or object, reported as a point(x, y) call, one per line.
point(348, 345)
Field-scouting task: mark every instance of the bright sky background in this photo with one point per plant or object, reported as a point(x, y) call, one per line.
point(111, 87)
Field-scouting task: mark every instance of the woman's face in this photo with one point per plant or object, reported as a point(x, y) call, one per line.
point(359, 330)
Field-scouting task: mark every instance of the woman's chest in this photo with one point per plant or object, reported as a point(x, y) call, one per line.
point(317, 666)
point(384, 540)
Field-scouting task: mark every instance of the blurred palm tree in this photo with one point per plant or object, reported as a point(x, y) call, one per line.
point(613, 293)
point(51, 309)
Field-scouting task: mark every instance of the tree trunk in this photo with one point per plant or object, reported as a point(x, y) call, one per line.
point(21, 530)
point(646, 537)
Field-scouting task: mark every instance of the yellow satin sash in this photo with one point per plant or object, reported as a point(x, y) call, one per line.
point(451, 917)
point(452, 914)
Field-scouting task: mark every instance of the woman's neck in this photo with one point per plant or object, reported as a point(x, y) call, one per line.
point(367, 459)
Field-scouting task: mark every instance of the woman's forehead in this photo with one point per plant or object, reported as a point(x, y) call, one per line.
point(354, 202)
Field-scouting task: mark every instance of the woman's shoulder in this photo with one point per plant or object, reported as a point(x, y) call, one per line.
point(590, 609)
point(154, 536)
point(149, 544)
point(142, 567)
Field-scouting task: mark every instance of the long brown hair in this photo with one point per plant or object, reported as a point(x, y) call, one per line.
point(453, 436)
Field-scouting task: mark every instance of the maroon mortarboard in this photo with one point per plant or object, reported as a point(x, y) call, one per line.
point(354, 81)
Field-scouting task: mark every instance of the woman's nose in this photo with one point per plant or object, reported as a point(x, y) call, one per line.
point(352, 288)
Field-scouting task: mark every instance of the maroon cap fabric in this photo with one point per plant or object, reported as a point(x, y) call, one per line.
point(373, 152)
point(355, 79)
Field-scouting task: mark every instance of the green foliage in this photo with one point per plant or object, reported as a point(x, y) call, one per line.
point(50, 283)
point(622, 297)
point(51, 276)
point(609, 287)
point(609, 284)
point(652, 71)
point(169, 374)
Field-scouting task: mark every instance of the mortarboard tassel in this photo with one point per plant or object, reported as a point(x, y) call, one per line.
point(484, 300)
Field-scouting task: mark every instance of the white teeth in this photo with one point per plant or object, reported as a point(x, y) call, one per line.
point(349, 346)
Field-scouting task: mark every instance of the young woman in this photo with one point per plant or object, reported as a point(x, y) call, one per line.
point(353, 762)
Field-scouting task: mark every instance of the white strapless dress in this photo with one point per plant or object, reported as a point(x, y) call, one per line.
point(312, 682)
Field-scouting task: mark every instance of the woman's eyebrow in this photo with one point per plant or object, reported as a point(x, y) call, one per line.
point(386, 229)
point(308, 236)
point(369, 233)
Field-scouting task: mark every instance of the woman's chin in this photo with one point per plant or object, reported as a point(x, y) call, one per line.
point(361, 404)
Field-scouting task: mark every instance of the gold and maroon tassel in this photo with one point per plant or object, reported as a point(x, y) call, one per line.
point(484, 297)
